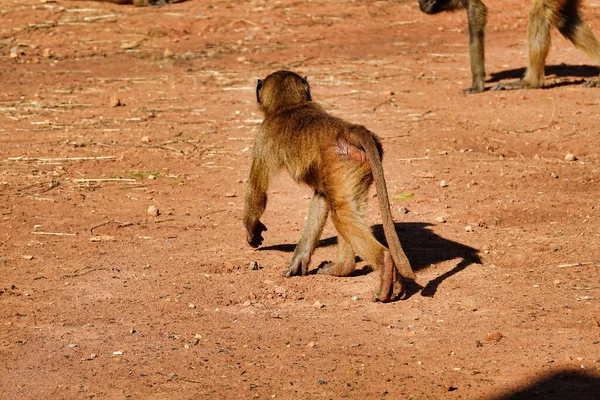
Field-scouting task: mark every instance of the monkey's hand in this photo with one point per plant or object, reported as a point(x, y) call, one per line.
point(255, 230)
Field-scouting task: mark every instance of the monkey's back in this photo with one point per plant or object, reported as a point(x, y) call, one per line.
point(309, 142)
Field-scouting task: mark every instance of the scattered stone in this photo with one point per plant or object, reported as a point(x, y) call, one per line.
point(440, 220)
point(168, 53)
point(101, 238)
point(317, 304)
point(255, 266)
point(145, 139)
point(468, 228)
point(570, 157)
point(153, 211)
point(321, 382)
point(443, 184)
point(47, 53)
point(554, 175)
point(191, 305)
point(403, 210)
point(311, 344)
point(355, 298)
point(115, 101)
point(15, 52)
point(117, 353)
point(73, 345)
point(28, 257)
point(494, 337)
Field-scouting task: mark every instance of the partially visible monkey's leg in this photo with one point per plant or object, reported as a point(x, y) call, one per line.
point(345, 263)
point(580, 34)
point(352, 227)
point(477, 15)
point(538, 43)
point(317, 216)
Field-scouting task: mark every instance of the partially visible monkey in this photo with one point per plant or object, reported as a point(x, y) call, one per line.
point(477, 16)
point(339, 161)
point(563, 14)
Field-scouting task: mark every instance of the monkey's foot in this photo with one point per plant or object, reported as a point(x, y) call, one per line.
point(335, 268)
point(385, 295)
point(592, 83)
point(473, 89)
point(299, 266)
point(520, 84)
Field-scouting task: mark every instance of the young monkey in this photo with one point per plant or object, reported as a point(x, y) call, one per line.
point(339, 161)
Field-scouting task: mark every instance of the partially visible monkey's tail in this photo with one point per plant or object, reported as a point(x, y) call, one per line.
point(367, 140)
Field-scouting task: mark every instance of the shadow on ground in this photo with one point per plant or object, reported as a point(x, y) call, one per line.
point(559, 71)
point(569, 384)
point(422, 247)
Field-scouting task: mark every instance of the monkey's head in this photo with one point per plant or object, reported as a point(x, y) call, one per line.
point(437, 6)
point(282, 90)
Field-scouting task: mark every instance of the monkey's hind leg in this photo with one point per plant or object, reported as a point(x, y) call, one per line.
point(538, 43)
point(345, 263)
point(352, 227)
point(580, 34)
point(317, 216)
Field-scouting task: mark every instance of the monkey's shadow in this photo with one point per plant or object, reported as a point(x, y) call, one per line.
point(422, 247)
point(560, 71)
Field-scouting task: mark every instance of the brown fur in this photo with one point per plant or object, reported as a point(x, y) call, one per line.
point(337, 159)
point(565, 15)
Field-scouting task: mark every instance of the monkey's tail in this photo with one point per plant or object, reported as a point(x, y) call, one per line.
point(368, 142)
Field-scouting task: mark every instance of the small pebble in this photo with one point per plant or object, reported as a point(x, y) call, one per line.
point(570, 157)
point(554, 175)
point(355, 298)
point(168, 53)
point(255, 266)
point(468, 228)
point(151, 177)
point(14, 52)
point(115, 101)
point(321, 382)
point(191, 305)
point(443, 184)
point(494, 337)
point(440, 220)
point(47, 53)
point(153, 211)
point(403, 210)
point(72, 345)
point(117, 353)
point(317, 304)
point(145, 139)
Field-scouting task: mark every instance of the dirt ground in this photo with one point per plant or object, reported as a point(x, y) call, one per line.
point(107, 110)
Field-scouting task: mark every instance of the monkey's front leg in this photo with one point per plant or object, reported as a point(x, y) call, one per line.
point(477, 16)
point(256, 201)
point(317, 216)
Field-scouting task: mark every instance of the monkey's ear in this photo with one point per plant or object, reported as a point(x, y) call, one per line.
point(258, 86)
point(307, 88)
